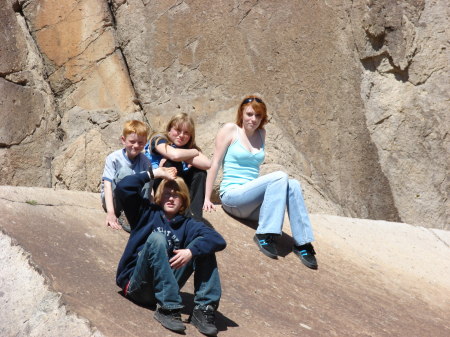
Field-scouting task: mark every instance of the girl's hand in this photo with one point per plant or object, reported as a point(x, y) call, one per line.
point(208, 206)
point(182, 256)
point(162, 162)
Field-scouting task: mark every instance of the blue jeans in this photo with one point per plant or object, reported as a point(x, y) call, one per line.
point(265, 200)
point(154, 281)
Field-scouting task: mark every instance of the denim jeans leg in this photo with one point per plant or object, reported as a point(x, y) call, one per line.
point(298, 214)
point(153, 278)
point(208, 289)
point(207, 285)
point(268, 193)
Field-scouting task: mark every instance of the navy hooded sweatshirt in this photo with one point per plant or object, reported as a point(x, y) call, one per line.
point(146, 218)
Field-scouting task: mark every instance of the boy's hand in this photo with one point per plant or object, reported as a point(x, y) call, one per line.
point(208, 206)
point(112, 222)
point(169, 173)
point(182, 256)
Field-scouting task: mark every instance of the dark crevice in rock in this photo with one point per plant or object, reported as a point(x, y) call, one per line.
point(376, 42)
point(25, 136)
point(17, 7)
point(248, 12)
point(381, 121)
point(114, 26)
point(372, 63)
point(22, 82)
point(119, 49)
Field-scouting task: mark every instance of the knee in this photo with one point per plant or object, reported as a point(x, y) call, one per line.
point(157, 239)
point(294, 183)
point(199, 174)
point(280, 176)
point(295, 186)
point(208, 260)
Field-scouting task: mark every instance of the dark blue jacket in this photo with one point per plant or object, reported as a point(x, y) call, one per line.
point(146, 218)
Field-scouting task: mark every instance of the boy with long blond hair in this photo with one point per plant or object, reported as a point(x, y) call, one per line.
point(165, 247)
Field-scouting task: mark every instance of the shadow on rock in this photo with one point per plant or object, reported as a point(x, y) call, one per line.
point(222, 322)
point(284, 241)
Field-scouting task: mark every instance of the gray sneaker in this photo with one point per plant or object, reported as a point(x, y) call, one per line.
point(170, 319)
point(123, 221)
point(204, 320)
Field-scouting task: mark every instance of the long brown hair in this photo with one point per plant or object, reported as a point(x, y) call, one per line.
point(181, 119)
point(177, 185)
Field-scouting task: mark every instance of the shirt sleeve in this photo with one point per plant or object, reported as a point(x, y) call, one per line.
point(154, 143)
point(110, 168)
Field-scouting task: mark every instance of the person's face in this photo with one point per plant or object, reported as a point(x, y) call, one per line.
point(250, 119)
point(171, 202)
point(133, 144)
point(179, 135)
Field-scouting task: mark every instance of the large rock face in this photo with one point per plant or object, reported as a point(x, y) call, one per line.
point(356, 92)
point(405, 90)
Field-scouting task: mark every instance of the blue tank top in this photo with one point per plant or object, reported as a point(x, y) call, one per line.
point(240, 165)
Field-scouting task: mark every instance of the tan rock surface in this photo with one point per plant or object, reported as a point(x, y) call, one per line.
point(375, 278)
point(406, 99)
point(357, 91)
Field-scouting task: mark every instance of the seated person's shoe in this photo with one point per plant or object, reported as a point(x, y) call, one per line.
point(266, 245)
point(123, 221)
point(306, 254)
point(170, 319)
point(204, 320)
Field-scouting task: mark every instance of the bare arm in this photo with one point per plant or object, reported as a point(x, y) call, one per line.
point(176, 154)
point(201, 162)
point(223, 140)
point(111, 219)
point(191, 156)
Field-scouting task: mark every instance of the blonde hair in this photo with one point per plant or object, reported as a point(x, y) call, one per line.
point(181, 119)
point(135, 126)
point(180, 187)
point(258, 106)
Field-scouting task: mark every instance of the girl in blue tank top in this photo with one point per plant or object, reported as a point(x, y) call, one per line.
point(239, 149)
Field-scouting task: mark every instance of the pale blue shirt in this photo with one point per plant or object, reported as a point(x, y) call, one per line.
point(118, 160)
point(240, 165)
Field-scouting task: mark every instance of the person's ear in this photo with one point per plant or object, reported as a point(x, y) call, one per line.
point(122, 138)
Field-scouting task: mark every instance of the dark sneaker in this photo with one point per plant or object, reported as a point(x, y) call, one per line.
point(204, 320)
point(123, 221)
point(306, 254)
point(170, 319)
point(266, 244)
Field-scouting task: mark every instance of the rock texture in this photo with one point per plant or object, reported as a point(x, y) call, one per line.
point(357, 91)
point(37, 311)
point(385, 286)
point(405, 91)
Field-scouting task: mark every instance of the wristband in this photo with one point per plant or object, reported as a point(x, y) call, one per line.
point(150, 171)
